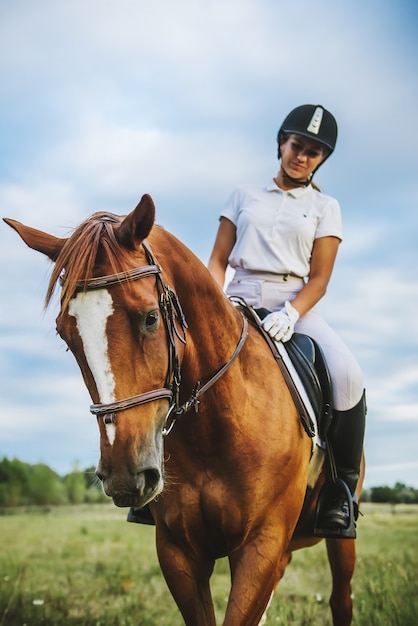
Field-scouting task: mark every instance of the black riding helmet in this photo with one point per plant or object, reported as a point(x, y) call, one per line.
point(312, 121)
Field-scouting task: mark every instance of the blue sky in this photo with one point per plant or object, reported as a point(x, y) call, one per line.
point(105, 100)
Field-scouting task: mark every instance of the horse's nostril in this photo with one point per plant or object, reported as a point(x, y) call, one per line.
point(152, 477)
point(147, 481)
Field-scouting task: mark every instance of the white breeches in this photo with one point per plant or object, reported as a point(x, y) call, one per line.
point(272, 293)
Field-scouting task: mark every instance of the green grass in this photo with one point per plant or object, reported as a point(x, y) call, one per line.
point(86, 566)
point(385, 585)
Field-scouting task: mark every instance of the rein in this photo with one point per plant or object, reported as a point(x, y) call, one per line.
point(172, 315)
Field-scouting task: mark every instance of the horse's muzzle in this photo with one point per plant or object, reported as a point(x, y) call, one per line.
point(134, 490)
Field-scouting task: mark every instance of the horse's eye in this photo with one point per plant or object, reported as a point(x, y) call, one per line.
point(151, 320)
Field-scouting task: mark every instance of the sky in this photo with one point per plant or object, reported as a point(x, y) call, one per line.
point(104, 100)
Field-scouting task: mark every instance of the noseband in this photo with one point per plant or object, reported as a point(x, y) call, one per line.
point(173, 318)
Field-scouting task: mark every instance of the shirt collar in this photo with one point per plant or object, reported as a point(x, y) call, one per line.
point(297, 192)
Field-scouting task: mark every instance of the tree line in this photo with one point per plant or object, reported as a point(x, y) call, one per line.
point(22, 484)
point(399, 494)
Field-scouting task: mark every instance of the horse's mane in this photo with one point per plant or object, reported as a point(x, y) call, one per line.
point(78, 255)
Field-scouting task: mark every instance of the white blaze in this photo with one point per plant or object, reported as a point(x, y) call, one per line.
point(92, 310)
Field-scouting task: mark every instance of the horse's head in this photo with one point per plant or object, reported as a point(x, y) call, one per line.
point(124, 326)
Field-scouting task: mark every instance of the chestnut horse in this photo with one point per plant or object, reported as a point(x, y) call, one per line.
point(193, 412)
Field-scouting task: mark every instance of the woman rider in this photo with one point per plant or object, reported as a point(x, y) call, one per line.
point(282, 238)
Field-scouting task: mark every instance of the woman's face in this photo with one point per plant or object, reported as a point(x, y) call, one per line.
point(300, 156)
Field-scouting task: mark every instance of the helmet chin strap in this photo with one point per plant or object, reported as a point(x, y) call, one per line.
point(295, 181)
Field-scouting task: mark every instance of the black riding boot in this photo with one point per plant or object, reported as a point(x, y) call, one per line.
point(140, 515)
point(336, 512)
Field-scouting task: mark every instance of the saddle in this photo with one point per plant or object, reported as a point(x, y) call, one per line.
point(309, 362)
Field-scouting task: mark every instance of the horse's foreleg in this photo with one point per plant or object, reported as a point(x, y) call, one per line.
point(255, 571)
point(342, 559)
point(188, 581)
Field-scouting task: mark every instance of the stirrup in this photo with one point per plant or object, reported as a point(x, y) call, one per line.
point(349, 532)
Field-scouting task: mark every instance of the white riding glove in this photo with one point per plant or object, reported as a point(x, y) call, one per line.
point(280, 325)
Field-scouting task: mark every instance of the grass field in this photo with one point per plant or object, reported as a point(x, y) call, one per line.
point(86, 566)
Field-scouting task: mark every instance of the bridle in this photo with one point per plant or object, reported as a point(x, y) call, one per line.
point(173, 318)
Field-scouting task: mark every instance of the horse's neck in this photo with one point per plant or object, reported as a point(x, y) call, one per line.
point(214, 326)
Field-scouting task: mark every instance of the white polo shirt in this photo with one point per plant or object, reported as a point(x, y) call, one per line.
point(276, 229)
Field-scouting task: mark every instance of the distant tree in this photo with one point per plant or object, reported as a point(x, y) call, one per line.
point(382, 494)
point(45, 486)
point(404, 494)
point(25, 484)
point(399, 494)
point(75, 487)
point(13, 482)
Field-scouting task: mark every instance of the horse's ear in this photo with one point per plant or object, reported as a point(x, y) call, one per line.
point(137, 225)
point(37, 239)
